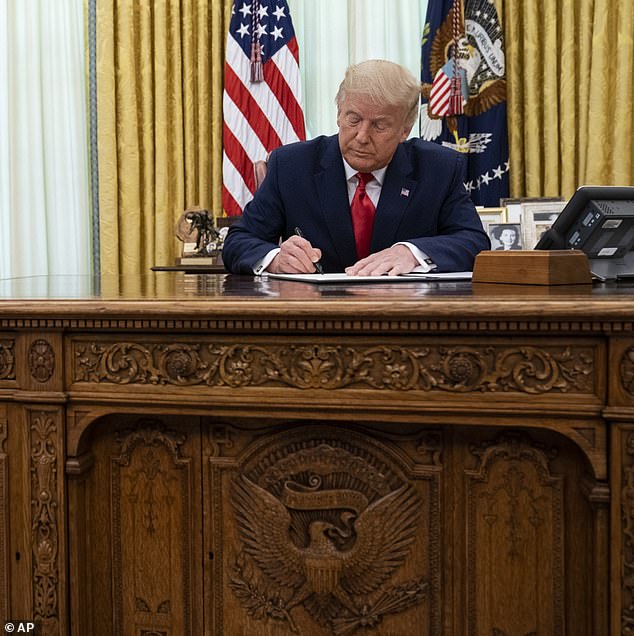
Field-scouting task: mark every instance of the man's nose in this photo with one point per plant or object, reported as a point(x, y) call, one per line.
point(364, 131)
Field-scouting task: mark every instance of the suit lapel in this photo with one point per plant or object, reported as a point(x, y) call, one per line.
point(396, 193)
point(333, 198)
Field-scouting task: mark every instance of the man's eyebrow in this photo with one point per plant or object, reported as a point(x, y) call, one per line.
point(380, 118)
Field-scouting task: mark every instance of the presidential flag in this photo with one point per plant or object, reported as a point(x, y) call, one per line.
point(262, 97)
point(464, 91)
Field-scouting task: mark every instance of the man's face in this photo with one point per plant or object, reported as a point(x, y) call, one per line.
point(369, 134)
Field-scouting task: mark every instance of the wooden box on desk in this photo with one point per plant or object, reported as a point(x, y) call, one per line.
point(532, 267)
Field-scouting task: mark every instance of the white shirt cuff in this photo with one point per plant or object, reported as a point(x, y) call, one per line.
point(425, 264)
point(263, 263)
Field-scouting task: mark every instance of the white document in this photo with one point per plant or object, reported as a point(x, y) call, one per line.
point(344, 278)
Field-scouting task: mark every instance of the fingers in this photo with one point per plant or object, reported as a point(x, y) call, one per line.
point(296, 256)
point(391, 262)
point(374, 268)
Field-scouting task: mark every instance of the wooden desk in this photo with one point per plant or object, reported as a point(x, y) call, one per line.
point(188, 454)
point(191, 269)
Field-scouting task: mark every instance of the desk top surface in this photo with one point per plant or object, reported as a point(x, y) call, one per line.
point(178, 293)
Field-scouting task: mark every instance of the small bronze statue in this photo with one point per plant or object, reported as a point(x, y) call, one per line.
point(199, 226)
point(203, 223)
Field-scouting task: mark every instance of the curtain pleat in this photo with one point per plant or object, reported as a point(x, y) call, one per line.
point(570, 94)
point(159, 96)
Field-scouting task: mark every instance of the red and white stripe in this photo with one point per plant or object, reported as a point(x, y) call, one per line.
point(439, 95)
point(258, 117)
point(445, 96)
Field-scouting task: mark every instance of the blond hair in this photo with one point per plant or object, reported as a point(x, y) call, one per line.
point(385, 83)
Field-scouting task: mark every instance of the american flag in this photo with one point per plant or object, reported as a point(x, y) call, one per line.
point(447, 91)
point(262, 97)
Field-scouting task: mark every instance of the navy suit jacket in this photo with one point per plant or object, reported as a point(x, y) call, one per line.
point(423, 201)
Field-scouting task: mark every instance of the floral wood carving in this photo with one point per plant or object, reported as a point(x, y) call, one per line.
point(41, 360)
point(44, 526)
point(627, 370)
point(7, 360)
point(141, 605)
point(495, 368)
point(149, 434)
point(326, 526)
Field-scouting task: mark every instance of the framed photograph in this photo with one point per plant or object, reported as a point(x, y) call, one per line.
point(492, 215)
point(505, 236)
point(514, 206)
point(536, 218)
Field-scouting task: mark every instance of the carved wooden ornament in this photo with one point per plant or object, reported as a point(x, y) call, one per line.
point(45, 530)
point(41, 360)
point(627, 370)
point(327, 527)
point(7, 360)
point(458, 369)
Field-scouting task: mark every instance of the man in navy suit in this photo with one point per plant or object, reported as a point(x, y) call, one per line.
point(422, 216)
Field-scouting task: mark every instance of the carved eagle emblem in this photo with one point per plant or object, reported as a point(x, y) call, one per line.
point(345, 554)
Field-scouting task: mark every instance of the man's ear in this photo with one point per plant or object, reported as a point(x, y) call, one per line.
point(406, 132)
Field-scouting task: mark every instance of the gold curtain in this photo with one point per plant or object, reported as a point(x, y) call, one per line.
point(159, 107)
point(570, 94)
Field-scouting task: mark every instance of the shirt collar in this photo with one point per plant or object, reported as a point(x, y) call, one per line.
point(379, 174)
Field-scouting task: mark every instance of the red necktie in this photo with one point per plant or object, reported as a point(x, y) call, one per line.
point(362, 210)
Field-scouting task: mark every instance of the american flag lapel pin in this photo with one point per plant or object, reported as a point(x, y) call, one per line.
point(404, 192)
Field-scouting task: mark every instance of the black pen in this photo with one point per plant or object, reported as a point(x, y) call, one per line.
point(317, 264)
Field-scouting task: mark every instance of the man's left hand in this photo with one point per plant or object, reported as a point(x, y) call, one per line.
point(393, 261)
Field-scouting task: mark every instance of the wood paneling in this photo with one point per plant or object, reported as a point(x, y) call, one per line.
point(143, 528)
point(327, 528)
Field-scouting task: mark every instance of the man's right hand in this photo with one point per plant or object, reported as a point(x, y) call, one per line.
point(296, 256)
